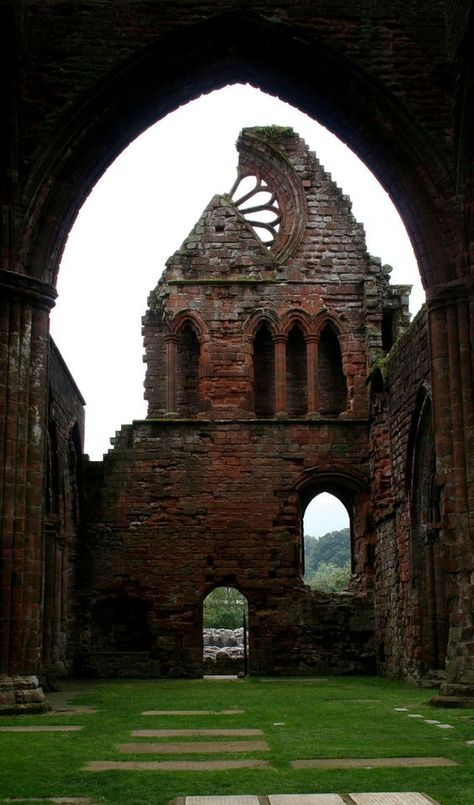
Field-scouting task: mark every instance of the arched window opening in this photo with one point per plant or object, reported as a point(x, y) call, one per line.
point(120, 624)
point(264, 372)
point(428, 577)
point(332, 383)
point(327, 544)
point(187, 387)
point(225, 632)
point(296, 373)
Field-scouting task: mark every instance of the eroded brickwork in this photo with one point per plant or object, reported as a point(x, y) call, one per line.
point(400, 391)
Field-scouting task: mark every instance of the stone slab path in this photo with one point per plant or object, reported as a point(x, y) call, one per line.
point(42, 728)
point(178, 765)
point(195, 747)
point(192, 712)
point(372, 763)
point(398, 798)
point(405, 798)
point(194, 733)
point(305, 799)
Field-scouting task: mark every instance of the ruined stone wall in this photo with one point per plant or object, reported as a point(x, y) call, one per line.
point(181, 507)
point(395, 391)
point(62, 514)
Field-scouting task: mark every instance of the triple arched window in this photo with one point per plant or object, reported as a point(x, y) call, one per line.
point(298, 372)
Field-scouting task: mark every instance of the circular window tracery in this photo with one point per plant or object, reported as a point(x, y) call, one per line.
point(253, 197)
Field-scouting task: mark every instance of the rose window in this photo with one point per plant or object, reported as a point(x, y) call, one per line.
point(259, 206)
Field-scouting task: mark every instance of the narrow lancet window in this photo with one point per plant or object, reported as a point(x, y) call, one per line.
point(187, 387)
point(296, 373)
point(264, 372)
point(332, 383)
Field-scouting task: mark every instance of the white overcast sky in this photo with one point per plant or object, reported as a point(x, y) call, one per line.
point(140, 212)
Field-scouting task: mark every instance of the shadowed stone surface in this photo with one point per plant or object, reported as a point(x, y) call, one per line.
point(371, 763)
point(195, 747)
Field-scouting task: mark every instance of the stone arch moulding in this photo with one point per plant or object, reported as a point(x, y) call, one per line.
point(228, 48)
point(292, 317)
point(263, 316)
point(338, 481)
point(184, 317)
point(325, 317)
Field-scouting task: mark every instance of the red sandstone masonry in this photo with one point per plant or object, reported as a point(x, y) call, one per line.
point(210, 492)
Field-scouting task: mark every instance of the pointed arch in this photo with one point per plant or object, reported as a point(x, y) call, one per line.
point(296, 371)
point(332, 382)
point(230, 47)
point(428, 578)
point(263, 370)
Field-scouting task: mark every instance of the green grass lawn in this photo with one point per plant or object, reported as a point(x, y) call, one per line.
point(339, 717)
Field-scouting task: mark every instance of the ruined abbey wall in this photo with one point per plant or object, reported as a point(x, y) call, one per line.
point(411, 624)
point(257, 358)
point(393, 80)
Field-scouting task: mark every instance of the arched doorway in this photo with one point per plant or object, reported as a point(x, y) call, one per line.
point(225, 620)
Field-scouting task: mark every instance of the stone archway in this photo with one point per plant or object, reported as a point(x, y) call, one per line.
point(66, 151)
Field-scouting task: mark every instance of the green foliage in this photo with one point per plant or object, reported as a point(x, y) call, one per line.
point(331, 579)
point(333, 548)
point(224, 609)
point(273, 132)
point(327, 561)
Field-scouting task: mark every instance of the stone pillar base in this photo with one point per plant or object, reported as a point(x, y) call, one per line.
point(454, 695)
point(21, 695)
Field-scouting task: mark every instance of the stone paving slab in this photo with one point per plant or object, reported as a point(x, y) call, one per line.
point(193, 733)
point(42, 728)
point(372, 762)
point(192, 712)
point(231, 800)
point(175, 765)
point(402, 798)
point(195, 747)
point(303, 799)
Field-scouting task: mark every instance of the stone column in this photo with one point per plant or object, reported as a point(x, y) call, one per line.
point(280, 374)
point(451, 319)
point(171, 342)
point(25, 303)
point(312, 354)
